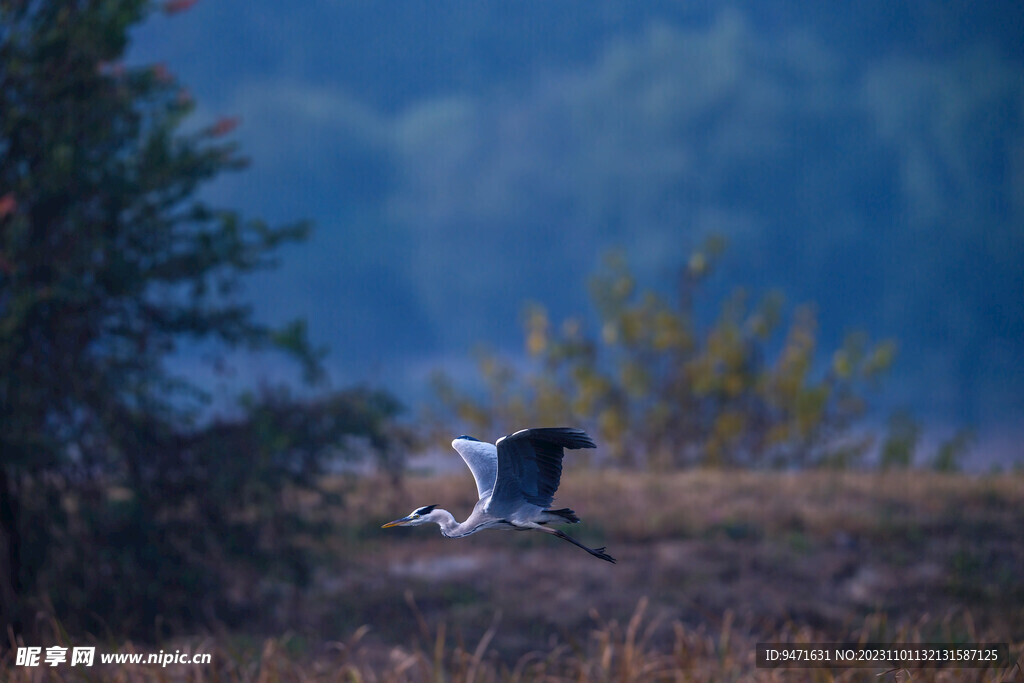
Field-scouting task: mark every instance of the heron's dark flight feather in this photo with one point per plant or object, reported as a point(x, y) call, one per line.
point(530, 463)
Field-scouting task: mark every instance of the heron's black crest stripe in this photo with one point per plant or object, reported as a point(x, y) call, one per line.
point(467, 438)
point(426, 510)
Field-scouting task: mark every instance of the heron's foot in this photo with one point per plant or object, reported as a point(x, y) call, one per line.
point(596, 552)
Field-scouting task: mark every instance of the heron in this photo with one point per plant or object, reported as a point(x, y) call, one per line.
point(516, 479)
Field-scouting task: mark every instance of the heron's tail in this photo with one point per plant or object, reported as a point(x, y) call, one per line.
point(566, 514)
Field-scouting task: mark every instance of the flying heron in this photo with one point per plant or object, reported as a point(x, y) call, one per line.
point(516, 478)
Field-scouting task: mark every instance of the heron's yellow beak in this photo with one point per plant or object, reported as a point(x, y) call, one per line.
point(397, 522)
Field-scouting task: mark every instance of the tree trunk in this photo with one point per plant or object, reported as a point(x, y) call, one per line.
point(10, 559)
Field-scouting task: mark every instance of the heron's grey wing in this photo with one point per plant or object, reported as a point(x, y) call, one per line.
point(530, 463)
point(482, 460)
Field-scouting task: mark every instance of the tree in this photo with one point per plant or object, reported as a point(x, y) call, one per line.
point(108, 262)
point(664, 390)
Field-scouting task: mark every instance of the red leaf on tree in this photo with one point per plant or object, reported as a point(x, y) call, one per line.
point(162, 73)
point(111, 69)
point(175, 6)
point(225, 125)
point(7, 204)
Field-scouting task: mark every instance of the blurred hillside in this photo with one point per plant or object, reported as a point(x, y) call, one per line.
point(460, 160)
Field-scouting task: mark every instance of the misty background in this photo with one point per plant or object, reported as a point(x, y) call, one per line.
point(460, 159)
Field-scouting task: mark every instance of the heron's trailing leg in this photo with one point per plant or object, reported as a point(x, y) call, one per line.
point(596, 552)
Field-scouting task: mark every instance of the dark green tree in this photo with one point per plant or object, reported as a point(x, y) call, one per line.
point(108, 263)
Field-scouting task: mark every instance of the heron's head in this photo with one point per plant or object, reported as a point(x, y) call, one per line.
point(415, 518)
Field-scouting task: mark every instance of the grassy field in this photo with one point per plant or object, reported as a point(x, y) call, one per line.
point(709, 563)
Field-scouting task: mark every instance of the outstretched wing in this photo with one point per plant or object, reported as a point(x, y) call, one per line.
point(530, 464)
point(482, 459)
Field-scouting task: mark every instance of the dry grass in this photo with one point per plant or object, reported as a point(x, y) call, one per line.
point(612, 651)
point(710, 563)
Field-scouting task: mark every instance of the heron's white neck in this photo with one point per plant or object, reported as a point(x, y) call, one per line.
point(446, 520)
